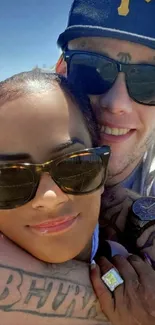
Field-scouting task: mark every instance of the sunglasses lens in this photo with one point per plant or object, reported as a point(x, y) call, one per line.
point(94, 74)
point(16, 186)
point(80, 174)
point(141, 84)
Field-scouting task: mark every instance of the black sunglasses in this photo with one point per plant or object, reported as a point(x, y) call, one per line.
point(77, 173)
point(96, 74)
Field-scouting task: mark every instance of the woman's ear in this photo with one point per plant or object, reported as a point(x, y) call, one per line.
point(61, 66)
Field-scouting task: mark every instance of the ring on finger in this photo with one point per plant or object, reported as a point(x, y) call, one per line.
point(112, 279)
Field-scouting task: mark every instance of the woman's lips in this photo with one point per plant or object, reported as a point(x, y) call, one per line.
point(54, 226)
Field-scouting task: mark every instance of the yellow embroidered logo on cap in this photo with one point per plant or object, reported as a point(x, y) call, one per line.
point(123, 9)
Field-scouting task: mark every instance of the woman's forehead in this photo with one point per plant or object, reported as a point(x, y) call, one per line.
point(38, 122)
point(53, 104)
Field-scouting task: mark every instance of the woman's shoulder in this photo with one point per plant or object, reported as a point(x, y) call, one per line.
point(26, 283)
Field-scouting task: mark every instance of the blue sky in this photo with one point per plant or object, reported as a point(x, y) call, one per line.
point(28, 33)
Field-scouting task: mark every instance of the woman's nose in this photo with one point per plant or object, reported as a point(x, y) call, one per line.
point(48, 195)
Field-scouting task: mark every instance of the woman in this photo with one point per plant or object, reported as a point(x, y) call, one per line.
point(50, 189)
point(49, 176)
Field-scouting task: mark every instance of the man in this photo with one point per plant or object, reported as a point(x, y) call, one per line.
point(118, 73)
point(109, 50)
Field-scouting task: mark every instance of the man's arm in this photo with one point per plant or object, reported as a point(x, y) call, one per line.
point(116, 203)
point(33, 292)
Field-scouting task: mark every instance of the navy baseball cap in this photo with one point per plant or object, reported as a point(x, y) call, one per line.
point(131, 20)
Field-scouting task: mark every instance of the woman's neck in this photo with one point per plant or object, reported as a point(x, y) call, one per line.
point(85, 255)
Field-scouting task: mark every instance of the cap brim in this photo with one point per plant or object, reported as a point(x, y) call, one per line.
point(74, 32)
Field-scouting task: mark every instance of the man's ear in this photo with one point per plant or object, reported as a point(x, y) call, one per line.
point(61, 67)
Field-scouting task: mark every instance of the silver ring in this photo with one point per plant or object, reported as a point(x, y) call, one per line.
point(112, 279)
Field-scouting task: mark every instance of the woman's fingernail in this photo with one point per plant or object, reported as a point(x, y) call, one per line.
point(93, 265)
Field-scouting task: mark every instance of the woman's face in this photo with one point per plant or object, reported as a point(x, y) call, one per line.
point(40, 125)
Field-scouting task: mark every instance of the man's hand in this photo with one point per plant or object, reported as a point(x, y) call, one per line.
point(116, 202)
point(133, 302)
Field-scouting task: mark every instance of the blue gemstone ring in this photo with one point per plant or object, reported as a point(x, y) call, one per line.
point(112, 279)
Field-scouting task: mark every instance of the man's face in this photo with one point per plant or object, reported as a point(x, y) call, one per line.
point(127, 126)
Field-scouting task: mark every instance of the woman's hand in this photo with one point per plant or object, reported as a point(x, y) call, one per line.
point(133, 302)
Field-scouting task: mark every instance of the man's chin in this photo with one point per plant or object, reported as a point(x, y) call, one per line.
point(118, 171)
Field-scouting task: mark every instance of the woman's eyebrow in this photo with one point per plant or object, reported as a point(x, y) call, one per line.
point(17, 157)
point(67, 144)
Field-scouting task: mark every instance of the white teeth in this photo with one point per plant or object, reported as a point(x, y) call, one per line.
point(114, 131)
point(108, 130)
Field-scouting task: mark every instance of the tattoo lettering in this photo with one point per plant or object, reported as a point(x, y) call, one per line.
point(124, 57)
point(32, 293)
